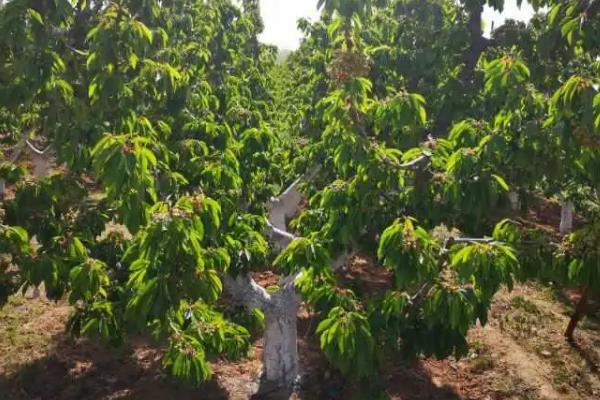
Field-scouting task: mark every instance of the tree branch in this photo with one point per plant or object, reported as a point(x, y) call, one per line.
point(452, 240)
point(282, 238)
point(19, 147)
point(419, 296)
point(592, 9)
point(35, 149)
point(477, 46)
point(416, 163)
point(245, 290)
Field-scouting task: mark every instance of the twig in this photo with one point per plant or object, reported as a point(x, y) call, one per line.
point(411, 165)
point(421, 292)
point(452, 240)
point(415, 163)
point(35, 149)
point(592, 8)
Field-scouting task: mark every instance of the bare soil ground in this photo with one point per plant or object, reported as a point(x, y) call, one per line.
point(520, 354)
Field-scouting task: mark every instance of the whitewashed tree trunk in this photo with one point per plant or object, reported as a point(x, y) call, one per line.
point(515, 201)
point(42, 163)
point(566, 217)
point(280, 353)
point(285, 206)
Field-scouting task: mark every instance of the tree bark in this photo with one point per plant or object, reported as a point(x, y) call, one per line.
point(578, 314)
point(478, 44)
point(566, 226)
point(592, 9)
point(515, 201)
point(280, 353)
point(246, 291)
point(281, 209)
point(566, 217)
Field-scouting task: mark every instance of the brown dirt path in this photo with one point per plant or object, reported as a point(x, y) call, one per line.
point(529, 367)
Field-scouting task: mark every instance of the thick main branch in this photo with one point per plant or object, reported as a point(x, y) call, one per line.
point(247, 291)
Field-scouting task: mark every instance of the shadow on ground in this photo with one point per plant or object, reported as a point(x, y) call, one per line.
point(38, 361)
point(82, 369)
point(85, 370)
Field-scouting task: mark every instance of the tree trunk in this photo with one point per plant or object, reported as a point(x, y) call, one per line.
point(592, 9)
point(477, 45)
point(280, 354)
point(566, 217)
point(578, 314)
point(515, 201)
point(280, 351)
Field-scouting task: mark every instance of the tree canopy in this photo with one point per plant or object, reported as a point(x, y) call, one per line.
point(418, 141)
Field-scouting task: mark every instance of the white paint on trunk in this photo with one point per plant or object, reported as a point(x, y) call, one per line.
point(280, 354)
point(287, 205)
point(341, 261)
point(515, 200)
point(566, 217)
point(246, 291)
point(284, 207)
point(42, 159)
point(279, 237)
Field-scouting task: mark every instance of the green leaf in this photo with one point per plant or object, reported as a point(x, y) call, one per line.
point(92, 90)
point(36, 16)
point(143, 31)
point(133, 60)
point(501, 182)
